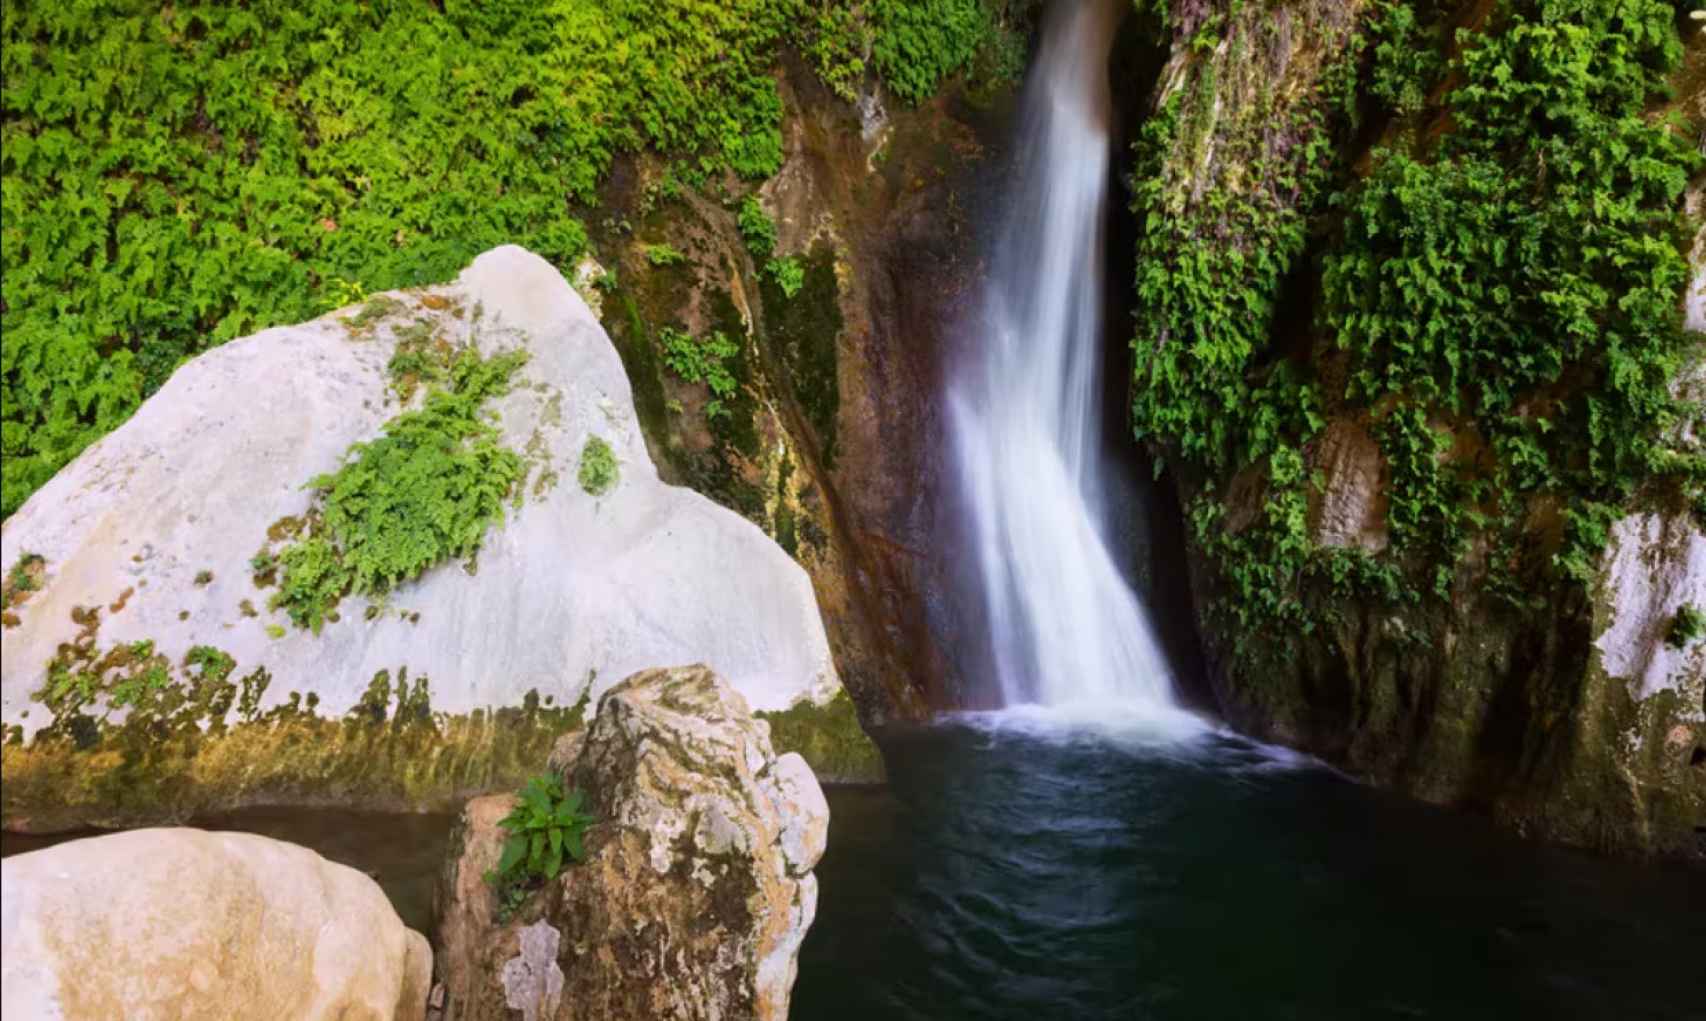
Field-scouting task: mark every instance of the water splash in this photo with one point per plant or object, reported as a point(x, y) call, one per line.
point(1068, 631)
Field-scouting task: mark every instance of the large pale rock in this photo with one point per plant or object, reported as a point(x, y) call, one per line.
point(1655, 565)
point(571, 593)
point(175, 924)
point(697, 888)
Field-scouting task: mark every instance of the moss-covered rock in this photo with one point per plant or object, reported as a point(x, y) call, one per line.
point(830, 739)
point(152, 769)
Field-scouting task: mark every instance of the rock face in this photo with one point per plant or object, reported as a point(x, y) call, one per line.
point(696, 891)
point(148, 536)
point(178, 923)
point(1559, 705)
point(835, 441)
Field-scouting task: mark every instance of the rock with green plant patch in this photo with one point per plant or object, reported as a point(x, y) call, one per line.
point(282, 500)
point(1654, 570)
point(184, 923)
point(696, 890)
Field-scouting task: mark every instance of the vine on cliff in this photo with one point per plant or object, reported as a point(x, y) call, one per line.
point(1499, 298)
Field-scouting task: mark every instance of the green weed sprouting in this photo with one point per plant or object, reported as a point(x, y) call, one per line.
point(424, 492)
point(663, 255)
point(1688, 626)
point(598, 471)
point(21, 579)
point(788, 273)
point(546, 831)
point(702, 362)
point(757, 229)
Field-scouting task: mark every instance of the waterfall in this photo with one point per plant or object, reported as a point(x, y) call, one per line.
point(1025, 411)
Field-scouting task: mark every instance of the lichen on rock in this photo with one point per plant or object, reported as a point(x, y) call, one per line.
point(696, 890)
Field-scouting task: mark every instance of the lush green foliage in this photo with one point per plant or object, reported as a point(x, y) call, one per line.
point(422, 493)
point(1206, 388)
point(546, 830)
point(702, 361)
point(1524, 275)
point(917, 43)
point(757, 229)
point(1408, 54)
point(1499, 302)
point(789, 274)
point(913, 44)
point(173, 177)
point(598, 469)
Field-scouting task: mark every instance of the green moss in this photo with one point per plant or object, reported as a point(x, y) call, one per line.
point(24, 579)
point(805, 330)
point(641, 359)
point(829, 738)
point(374, 311)
point(422, 359)
point(192, 738)
point(787, 534)
point(598, 469)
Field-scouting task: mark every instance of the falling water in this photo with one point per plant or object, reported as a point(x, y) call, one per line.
point(1067, 628)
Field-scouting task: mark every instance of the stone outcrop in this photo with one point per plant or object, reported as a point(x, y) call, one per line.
point(696, 890)
point(145, 547)
point(185, 924)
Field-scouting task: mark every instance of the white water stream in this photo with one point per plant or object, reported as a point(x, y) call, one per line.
point(1068, 632)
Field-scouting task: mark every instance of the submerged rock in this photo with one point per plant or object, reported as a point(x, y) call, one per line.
point(696, 891)
point(158, 554)
point(179, 923)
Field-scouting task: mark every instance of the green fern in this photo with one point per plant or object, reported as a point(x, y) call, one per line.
point(424, 492)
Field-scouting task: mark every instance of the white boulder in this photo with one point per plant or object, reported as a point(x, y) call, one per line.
point(156, 525)
point(168, 924)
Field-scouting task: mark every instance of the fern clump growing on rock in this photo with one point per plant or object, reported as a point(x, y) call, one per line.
point(598, 471)
point(702, 361)
point(424, 492)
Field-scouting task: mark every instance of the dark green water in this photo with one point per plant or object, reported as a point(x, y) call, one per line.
point(1007, 874)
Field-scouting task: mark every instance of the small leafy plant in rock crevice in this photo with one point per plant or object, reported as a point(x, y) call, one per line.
point(702, 361)
point(546, 831)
